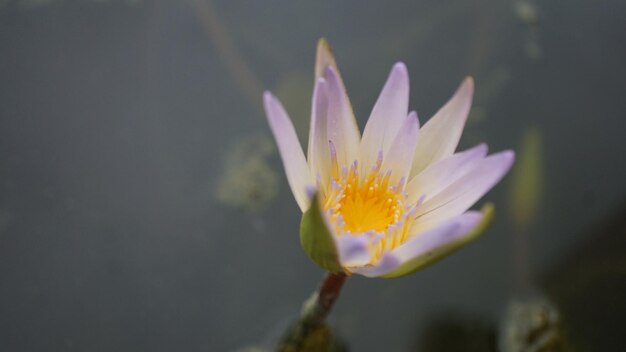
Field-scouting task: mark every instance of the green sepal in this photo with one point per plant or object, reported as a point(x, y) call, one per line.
point(439, 253)
point(316, 239)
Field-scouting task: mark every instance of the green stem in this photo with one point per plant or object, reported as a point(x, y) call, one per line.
point(314, 312)
point(323, 300)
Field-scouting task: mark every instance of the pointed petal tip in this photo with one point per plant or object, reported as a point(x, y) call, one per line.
point(507, 157)
point(273, 107)
point(267, 97)
point(268, 100)
point(414, 121)
point(332, 79)
point(482, 149)
point(413, 115)
point(464, 92)
point(399, 78)
point(324, 57)
point(400, 67)
point(467, 86)
point(322, 43)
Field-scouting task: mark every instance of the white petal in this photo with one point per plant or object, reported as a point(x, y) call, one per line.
point(353, 250)
point(386, 264)
point(387, 116)
point(400, 155)
point(318, 151)
point(289, 148)
point(342, 130)
point(441, 134)
point(464, 192)
point(441, 174)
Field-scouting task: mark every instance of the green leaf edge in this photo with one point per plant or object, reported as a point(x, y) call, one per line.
point(316, 239)
point(439, 253)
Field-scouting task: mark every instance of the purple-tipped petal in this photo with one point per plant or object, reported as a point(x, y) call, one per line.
point(440, 175)
point(425, 247)
point(340, 117)
point(387, 116)
point(441, 134)
point(353, 250)
point(439, 236)
point(342, 130)
point(464, 192)
point(318, 151)
point(296, 168)
point(433, 245)
point(400, 155)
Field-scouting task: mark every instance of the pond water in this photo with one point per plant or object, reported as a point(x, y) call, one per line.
point(143, 206)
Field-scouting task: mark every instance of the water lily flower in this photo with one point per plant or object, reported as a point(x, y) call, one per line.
point(395, 199)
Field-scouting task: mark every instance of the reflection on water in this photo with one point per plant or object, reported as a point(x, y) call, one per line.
point(449, 331)
point(588, 284)
point(115, 115)
point(246, 179)
point(531, 325)
point(527, 12)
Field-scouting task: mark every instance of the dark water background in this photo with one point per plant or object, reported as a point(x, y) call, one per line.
point(118, 118)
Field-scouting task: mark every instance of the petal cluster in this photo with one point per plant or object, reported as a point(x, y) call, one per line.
point(395, 199)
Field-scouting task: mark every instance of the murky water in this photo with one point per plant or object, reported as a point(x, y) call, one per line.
point(124, 123)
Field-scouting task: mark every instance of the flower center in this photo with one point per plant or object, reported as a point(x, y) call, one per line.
point(369, 206)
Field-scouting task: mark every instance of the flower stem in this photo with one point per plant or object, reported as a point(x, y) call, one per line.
point(310, 330)
point(324, 299)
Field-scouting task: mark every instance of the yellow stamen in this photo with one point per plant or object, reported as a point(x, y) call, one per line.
point(363, 206)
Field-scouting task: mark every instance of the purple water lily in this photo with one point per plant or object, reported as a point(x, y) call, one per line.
point(396, 198)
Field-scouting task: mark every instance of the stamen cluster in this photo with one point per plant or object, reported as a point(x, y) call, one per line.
point(369, 206)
